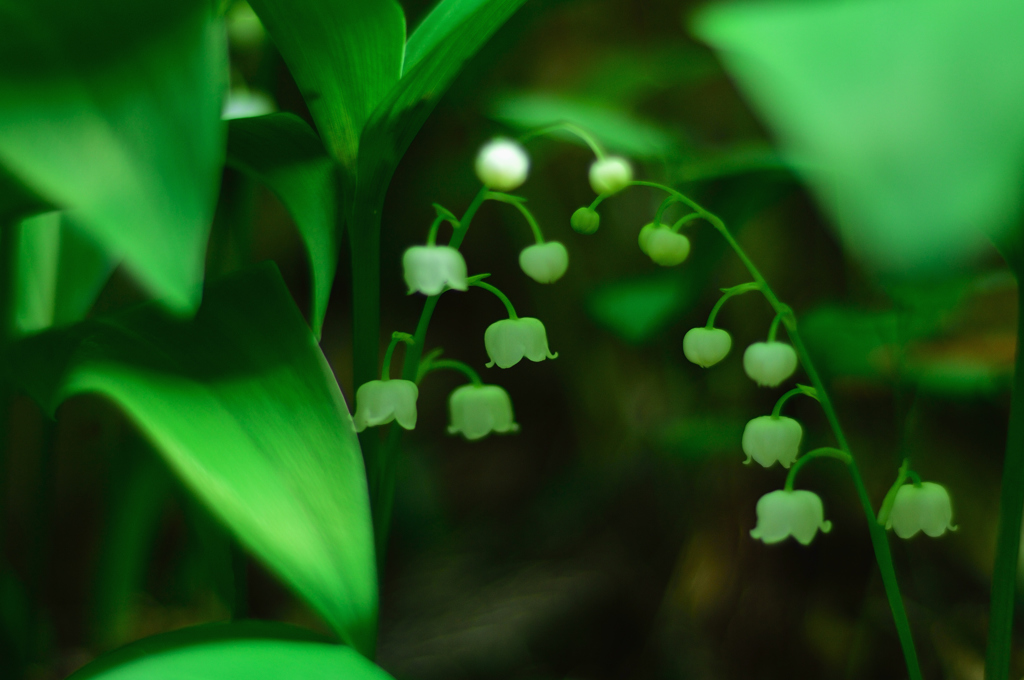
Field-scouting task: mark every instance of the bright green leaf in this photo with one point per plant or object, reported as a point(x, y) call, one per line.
point(111, 109)
point(617, 130)
point(243, 406)
point(247, 650)
point(905, 116)
point(285, 154)
point(345, 55)
point(60, 271)
point(437, 49)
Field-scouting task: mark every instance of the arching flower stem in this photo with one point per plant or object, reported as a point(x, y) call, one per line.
point(443, 215)
point(520, 204)
point(902, 476)
point(774, 329)
point(879, 538)
point(585, 136)
point(396, 337)
point(501, 296)
point(451, 364)
point(730, 293)
point(824, 452)
point(799, 389)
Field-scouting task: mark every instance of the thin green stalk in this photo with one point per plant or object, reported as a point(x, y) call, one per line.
point(998, 656)
point(824, 452)
point(498, 294)
point(538, 236)
point(452, 364)
point(727, 294)
point(879, 538)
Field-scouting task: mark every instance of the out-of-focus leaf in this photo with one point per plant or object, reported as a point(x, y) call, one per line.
point(111, 110)
point(636, 309)
point(850, 342)
point(345, 56)
point(60, 271)
point(285, 154)
point(741, 159)
point(699, 438)
point(906, 117)
point(626, 75)
point(452, 33)
point(244, 408)
point(616, 129)
point(247, 650)
point(17, 200)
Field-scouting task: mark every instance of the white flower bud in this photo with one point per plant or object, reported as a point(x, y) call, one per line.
point(662, 245)
point(478, 410)
point(797, 513)
point(509, 340)
point(767, 439)
point(378, 402)
point(585, 220)
point(926, 508)
point(502, 164)
point(544, 262)
point(706, 346)
point(610, 174)
point(428, 269)
point(769, 363)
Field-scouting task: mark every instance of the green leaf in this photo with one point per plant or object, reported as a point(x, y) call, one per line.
point(60, 271)
point(284, 153)
point(906, 117)
point(247, 650)
point(617, 130)
point(636, 309)
point(437, 49)
point(16, 200)
point(111, 110)
point(244, 408)
point(345, 55)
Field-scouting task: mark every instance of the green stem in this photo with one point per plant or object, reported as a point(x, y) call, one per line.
point(879, 538)
point(519, 204)
point(443, 215)
point(774, 329)
point(587, 138)
point(439, 364)
point(824, 452)
point(777, 411)
point(729, 293)
point(1011, 507)
point(501, 296)
point(396, 337)
point(685, 219)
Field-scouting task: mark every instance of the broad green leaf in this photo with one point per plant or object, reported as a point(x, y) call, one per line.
point(247, 650)
point(437, 49)
point(636, 309)
point(285, 154)
point(111, 110)
point(617, 130)
point(17, 200)
point(905, 116)
point(345, 55)
point(60, 271)
point(244, 408)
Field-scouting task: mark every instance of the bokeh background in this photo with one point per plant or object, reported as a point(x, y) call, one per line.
point(609, 537)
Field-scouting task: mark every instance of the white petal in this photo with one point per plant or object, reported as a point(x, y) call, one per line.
point(769, 363)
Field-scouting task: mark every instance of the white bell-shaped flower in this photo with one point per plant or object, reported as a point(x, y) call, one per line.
point(544, 262)
point(585, 220)
point(797, 513)
point(662, 245)
point(502, 164)
point(478, 410)
point(924, 508)
point(429, 269)
point(509, 340)
point(767, 439)
point(378, 402)
point(769, 363)
point(610, 174)
point(706, 346)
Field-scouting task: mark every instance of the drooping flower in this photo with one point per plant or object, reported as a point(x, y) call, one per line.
point(924, 508)
point(662, 245)
point(585, 220)
point(502, 164)
point(797, 513)
point(478, 410)
point(429, 269)
point(706, 346)
point(767, 439)
point(509, 340)
point(544, 262)
point(769, 363)
point(378, 402)
point(610, 174)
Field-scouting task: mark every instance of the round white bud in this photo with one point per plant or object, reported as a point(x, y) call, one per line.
point(544, 262)
point(706, 346)
point(610, 174)
point(767, 439)
point(797, 513)
point(769, 363)
point(502, 164)
point(478, 410)
point(585, 220)
point(664, 246)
